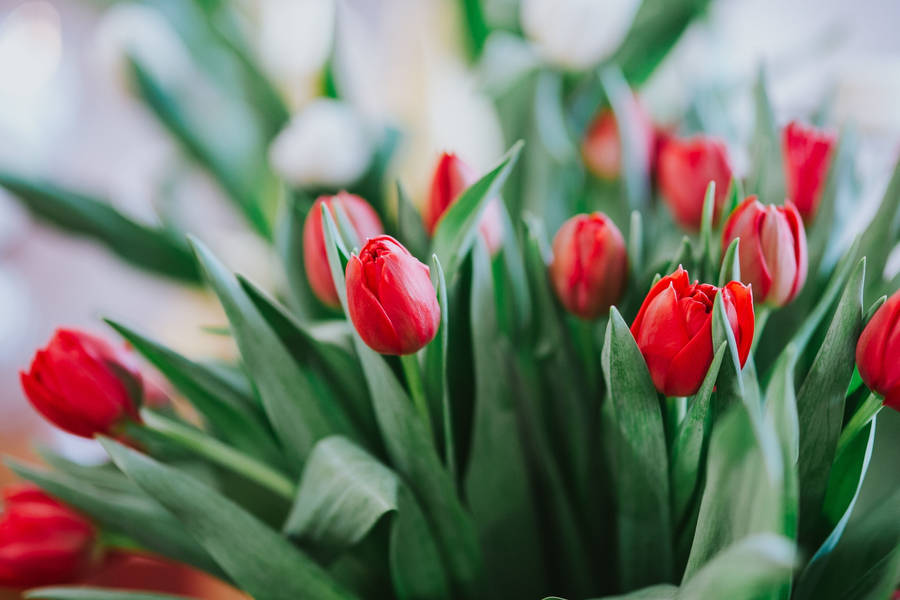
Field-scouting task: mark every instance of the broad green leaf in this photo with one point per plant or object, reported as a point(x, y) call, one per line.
point(84, 593)
point(296, 412)
point(261, 562)
point(781, 405)
point(497, 483)
point(227, 411)
point(752, 568)
point(655, 592)
point(820, 401)
point(412, 452)
point(459, 224)
point(731, 265)
point(690, 443)
point(847, 474)
point(707, 260)
point(410, 228)
point(436, 369)
point(883, 232)
point(121, 506)
point(515, 279)
point(343, 493)
point(766, 177)
point(639, 459)
point(160, 251)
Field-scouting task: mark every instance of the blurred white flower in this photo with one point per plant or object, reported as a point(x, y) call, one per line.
point(868, 88)
point(326, 144)
point(577, 34)
point(138, 31)
point(294, 41)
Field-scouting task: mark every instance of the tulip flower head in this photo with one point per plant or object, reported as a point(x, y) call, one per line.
point(364, 220)
point(773, 254)
point(590, 265)
point(673, 329)
point(684, 169)
point(390, 298)
point(807, 155)
point(83, 385)
point(451, 178)
point(42, 542)
point(878, 352)
point(601, 149)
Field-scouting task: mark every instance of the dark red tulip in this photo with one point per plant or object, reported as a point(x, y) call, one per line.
point(601, 149)
point(315, 258)
point(878, 352)
point(673, 329)
point(83, 385)
point(42, 542)
point(807, 155)
point(390, 298)
point(684, 169)
point(590, 265)
point(451, 178)
point(772, 249)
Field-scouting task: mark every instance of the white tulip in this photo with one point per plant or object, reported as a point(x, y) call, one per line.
point(577, 34)
point(326, 144)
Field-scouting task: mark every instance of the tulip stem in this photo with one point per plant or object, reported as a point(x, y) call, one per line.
point(217, 452)
point(413, 374)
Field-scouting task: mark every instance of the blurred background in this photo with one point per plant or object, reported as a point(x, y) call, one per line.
point(69, 113)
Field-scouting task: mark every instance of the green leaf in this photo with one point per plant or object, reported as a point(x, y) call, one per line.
point(410, 228)
point(477, 28)
point(731, 382)
point(750, 569)
point(343, 493)
point(883, 231)
point(261, 562)
point(707, 260)
point(459, 224)
point(731, 264)
point(119, 505)
point(766, 176)
point(847, 474)
point(157, 250)
point(820, 401)
point(296, 412)
point(497, 483)
point(226, 409)
point(635, 175)
point(639, 458)
point(436, 368)
point(515, 279)
point(655, 592)
point(412, 452)
point(781, 405)
point(684, 257)
point(289, 243)
point(84, 593)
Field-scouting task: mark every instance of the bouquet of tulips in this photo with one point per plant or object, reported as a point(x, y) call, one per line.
point(608, 367)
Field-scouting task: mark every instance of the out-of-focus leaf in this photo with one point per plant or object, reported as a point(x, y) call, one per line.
point(752, 568)
point(731, 265)
point(655, 592)
point(684, 257)
point(634, 149)
point(820, 401)
point(436, 369)
point(766, 178)
point(260, 561)
point(708, 255)
point(883, 233)
point(289, 243)
point(640, 463)
point(84, 593)
point(410, 228)
point(731, 382)
point(157, 250)
point(476, 26)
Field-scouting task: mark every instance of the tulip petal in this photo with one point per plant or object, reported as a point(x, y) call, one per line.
point(410, 301)
point(367, 314)
point(689, 366)
point(662, 334)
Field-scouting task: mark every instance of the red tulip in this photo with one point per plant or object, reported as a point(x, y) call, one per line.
point(390, 298)
point(82, 384)
point(772, 249)
point(42, 542)
point(685, 168)
point(590, 265)
point(878, 352)
point(451, 178)
point(807, 155)
point(315, 258)
point(601, 149)
point(673, 329)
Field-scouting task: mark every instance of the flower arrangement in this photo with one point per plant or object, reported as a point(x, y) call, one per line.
point(675, 398)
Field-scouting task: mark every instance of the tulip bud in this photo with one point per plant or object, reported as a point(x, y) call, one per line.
point(601, 149)
point(451, 178)
point(315, 258)
point(42, 542)
point(589, 266)
point(673, 329)
point(83, 385)
point(390, 298)
point(807, 154)
point(878, 352)
point(772, 250)
point(685, 168)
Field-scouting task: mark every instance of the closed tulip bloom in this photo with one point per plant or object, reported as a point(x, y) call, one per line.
point(773, 254)
point(878, 352)
point(82, 384)
point(390, 298)
point(315, 258)
point(451, 178)
point(42, 542)
point(601, 149)
point(589, 266)
point(684, 169)
point(673, 329)
point(807, 155)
